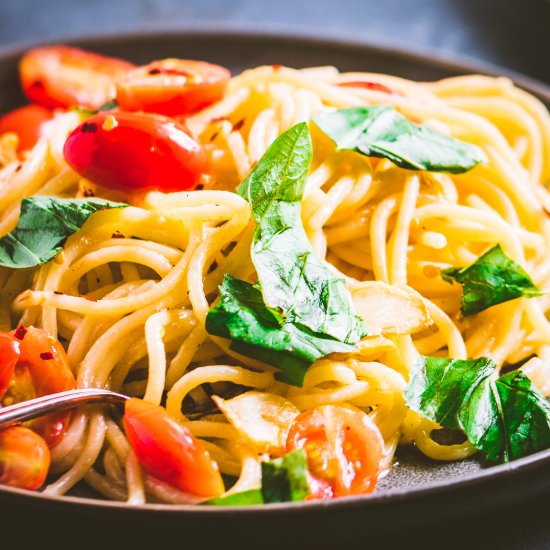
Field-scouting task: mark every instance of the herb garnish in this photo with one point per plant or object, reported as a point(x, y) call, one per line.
point(299, 311)
point(492, 279)
point(505, 418)
point(382, 132)
point(45, 223)
point(283, 480)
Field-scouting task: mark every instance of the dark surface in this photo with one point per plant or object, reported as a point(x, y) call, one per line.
point(512, 34)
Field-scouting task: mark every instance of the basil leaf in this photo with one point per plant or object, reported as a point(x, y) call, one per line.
point(44, 225)
point(382, 132)
point(262, 333)
point(506, 419)
point(291, 277)
point(439, 386)
point(245, 498)
point(283, 480)
point(492, 279)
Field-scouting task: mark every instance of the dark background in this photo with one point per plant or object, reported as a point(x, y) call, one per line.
point(510, 33)
point(513, 34)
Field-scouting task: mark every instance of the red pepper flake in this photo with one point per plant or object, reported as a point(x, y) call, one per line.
point(89, 298)
point(376, 86)
point(46, 356)
point(238, 125)
point(218, 119)
point(276, 67)
point(37, 85)
point(154, 71)
point(199, 187)
point(88, 193)
point(19, 166)
point(20, 332)
point(117, 235)
point(214, 136)
point(57, 292)
point(89, 128)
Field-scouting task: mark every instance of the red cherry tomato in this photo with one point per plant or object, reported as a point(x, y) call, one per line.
point(59, 76)
point(9, 355)
point(344, 448)
point(135, 152)
point(172, 87)
point(369, 86)
point(42, 369)
point(24, 458)
point(168, 451)
point(27, 123)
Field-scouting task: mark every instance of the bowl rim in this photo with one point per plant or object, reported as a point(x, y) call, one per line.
point(452, 62)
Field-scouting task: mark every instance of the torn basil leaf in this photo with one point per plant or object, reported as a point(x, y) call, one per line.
point(380, 131)
point(507, 418)
point(492, 279)
point(45, 223)
point(262, 333)
point(292, 279)
point(244, 498)
point(283, 480)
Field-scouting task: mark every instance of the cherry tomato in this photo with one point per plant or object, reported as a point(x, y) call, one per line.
point(27, 123)
point(9, 355)
point(135, 152)
point(59, 76)
point(24, 458)
point(168, 451)
point(42, 369)
point(369, 86)
point(344, 447)
point(172, 87)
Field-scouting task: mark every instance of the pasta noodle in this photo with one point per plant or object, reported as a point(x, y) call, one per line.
point(131, 290)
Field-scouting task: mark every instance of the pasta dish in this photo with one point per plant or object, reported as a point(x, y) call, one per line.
point(290, 273)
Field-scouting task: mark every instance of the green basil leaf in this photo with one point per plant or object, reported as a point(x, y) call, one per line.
point(285, 479)
point(506, 419)
point(262, 333)
point(382, 132)
point(492, 279)
point(438, 387)
point(245, 498)
point(45, 223)
point(292, 279)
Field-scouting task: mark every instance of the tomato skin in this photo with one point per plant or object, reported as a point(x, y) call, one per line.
point(168, 451)
point(27, 123)
point(9, 355)
point(172, 87)
point(135, 152)
point(343, 445)
point(42, 369)
point(60, 76)
point(24, 458)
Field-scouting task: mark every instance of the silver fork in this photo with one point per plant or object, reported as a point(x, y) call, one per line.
point(34, 408)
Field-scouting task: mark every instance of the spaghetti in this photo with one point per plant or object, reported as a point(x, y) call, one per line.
point(131, 290)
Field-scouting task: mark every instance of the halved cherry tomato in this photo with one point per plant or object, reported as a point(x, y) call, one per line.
point(369, 86)
point(42, 369)
point(344, 448)
point(59, 76)
point(27, 123)
point(9, 355)
point(135, 152)
point(172, 86)
point(168, 451)
point(24, 458)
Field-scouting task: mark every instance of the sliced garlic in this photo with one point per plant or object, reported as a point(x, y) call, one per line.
point(389, 309)
point(263, 419)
